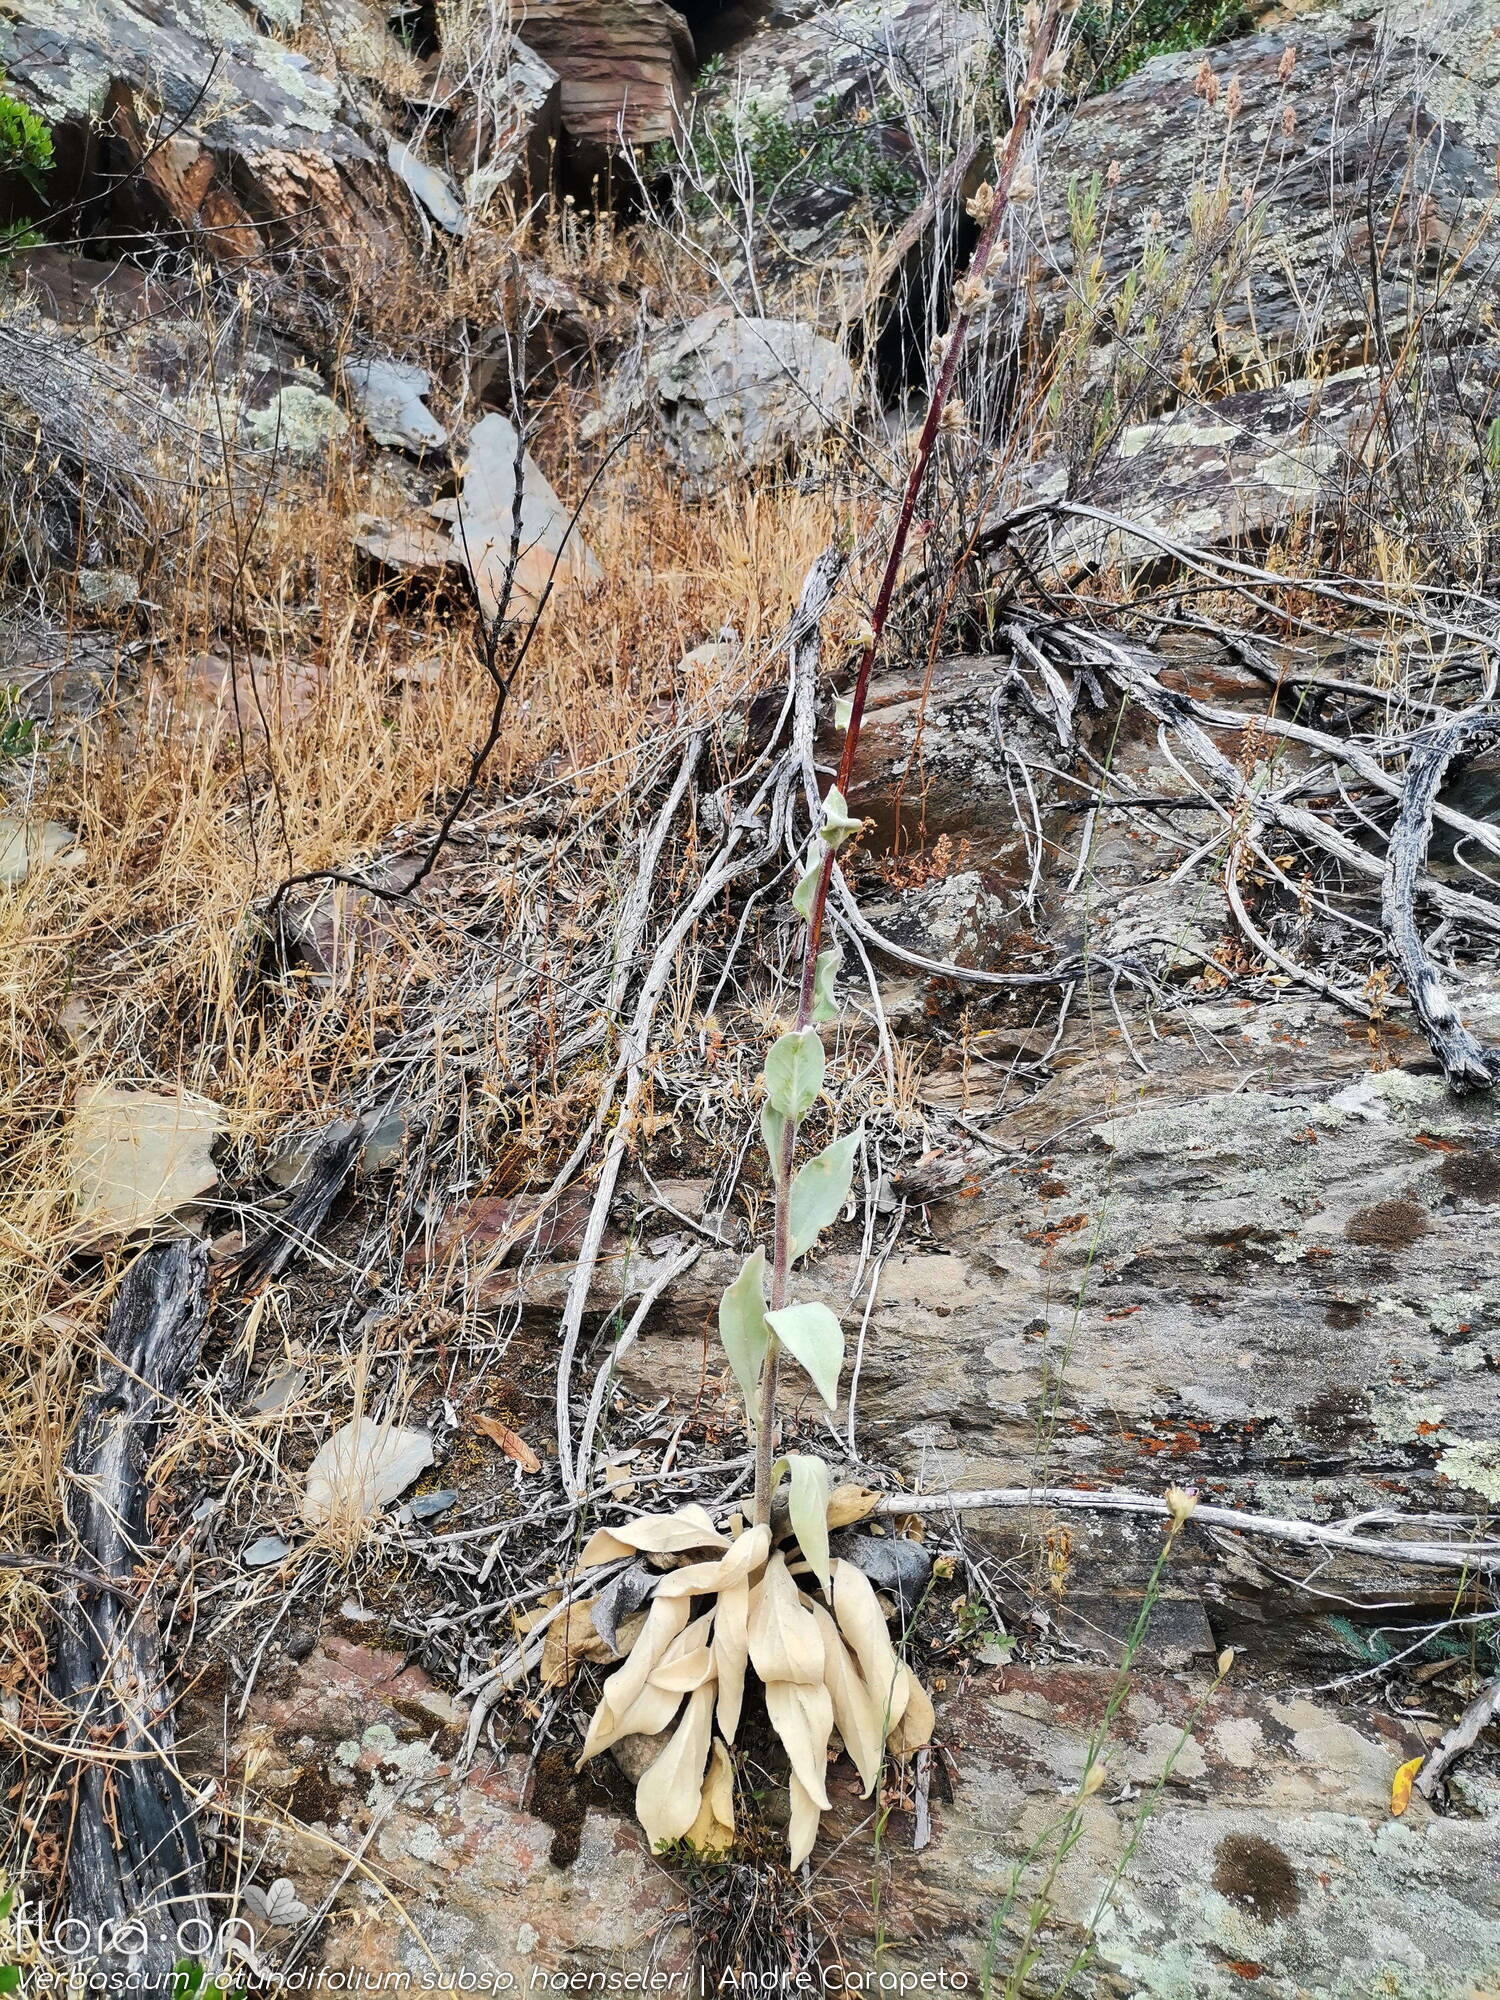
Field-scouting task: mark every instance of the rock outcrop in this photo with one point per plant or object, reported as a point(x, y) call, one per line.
point(220, 139)
point(626, 67)
point(734, 393)
point(1318, 170)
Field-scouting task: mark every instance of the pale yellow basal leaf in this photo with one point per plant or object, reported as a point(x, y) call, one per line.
point(802, 1717)
point(603, 1547)
point(668, 1797)
point(648, 1715)
point(360, 1468)
point(850, 1503)
point(745, 1555)
point(785, 1643)
point(664, 1624)
point(731, 1653)
point(687, 1673)
point(918, 1718)
point(662, 1534)
point(856, 1715)
point(802, 1830)
point(862, 1623)
point(712, 1832)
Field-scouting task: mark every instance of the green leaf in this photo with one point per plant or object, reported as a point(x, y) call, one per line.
point(742, 1326)
point(811, 1335)
point(825, 1006)
point(819, 1191)
point(10, 1978)
point(808, 1506)
point(837, 826)
point(806, 892)
point(772, 1132)
point(843, 711)
point(794, 1072)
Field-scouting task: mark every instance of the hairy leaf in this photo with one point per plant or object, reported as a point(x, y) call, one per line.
point(712, 1832)
point(772, 1132)
point(669, 1795)
point(808, 1507)
point(802, 1828)
point(794, 1072)
point(746, 1553)
point(731, 1652)
point(742, 1326)
point(862, 1623)
point(914, 1730)
point(654, 1534)
point(802, 1717)
point(856, 1714)
point(806, 892)
point(685, 1674)
point(785, 1643)
point(825, 1006)
point(837, 826)
point(812, 1335)
point(820, 1187)
point(665, 1621)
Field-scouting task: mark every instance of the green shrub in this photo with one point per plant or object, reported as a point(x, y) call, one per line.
point(786, 160)
point(25, 150)
point(1116, 36)
point(25, 143)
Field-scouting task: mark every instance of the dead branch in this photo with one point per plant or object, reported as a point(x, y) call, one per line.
point(1465, 1733)
point(1483, 1556)
point(1468, 1065)
point(135, 1866)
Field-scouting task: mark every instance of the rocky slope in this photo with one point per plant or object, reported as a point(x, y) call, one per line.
point(1208, 1224)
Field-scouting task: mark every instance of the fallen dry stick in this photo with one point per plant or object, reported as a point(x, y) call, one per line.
point(1477, 1555)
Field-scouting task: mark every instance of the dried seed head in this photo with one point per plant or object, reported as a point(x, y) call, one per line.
point(1022, 184)
point(1287, 64)
point(1054, 71)
point(1225, 1661)
point(1093, 1780)
point(1206, 84)
point(954, 416)
point(1288, 121)
point(1112, 174)
point(1181, 1500)
point(937, 353)
point(981, 203)
point(970, 295)
point(1234, 98)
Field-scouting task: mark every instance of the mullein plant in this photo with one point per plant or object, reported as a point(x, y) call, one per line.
point(766, 1597)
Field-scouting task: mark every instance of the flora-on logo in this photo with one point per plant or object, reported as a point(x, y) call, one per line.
point(199, 1942)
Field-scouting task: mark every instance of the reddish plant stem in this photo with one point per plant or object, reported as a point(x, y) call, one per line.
point(917, 474)
point(1046, 36)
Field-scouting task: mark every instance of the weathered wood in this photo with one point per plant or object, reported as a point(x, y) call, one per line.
point(328, 1171)
point(1478, 1554)
point(1465, 1733)
point(1467, 1064)
point(135, 1865)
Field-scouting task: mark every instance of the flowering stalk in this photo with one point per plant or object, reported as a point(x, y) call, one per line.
point(1043, 70)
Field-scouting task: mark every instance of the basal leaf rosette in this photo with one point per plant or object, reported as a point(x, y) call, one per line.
point(771, 1602)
